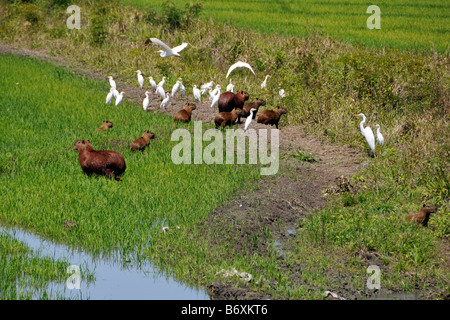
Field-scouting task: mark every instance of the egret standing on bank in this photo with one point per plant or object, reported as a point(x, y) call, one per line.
point(380, 138)
point(367, 133)
point(109, 96)
point(112, 83)
point(140, 78)
point(263, 85)
point(119, 98)
point(197, 94)
point(146, 101)
point(249, 119)
point(152, 83)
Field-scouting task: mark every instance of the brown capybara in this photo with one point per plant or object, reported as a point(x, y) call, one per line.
point(223, 119)
point(229, 101)
point(184, 115)
point(271, 117)
point(255, 104)
point(423, 215)
point(104, 162)
point(105, 126)
point(143, 141)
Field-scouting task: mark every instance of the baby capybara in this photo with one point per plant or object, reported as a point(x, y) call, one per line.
point(255, 104)
point(104, 162)
point(223, 119)
point(143, 141)
point(271, 117)
point(184, 115)
point(229, 101)
point(105, 126)
point(423, 215)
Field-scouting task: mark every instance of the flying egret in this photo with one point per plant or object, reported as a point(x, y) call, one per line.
point(249, 119)
point(380, 138)
point(182, 88)
point(263, 85)
point(119, 98)
point(140, 78)
point(152, 83)
point(109, 96)
point(112, 83)
point(282, 93)
point(167, 52)
point(165, 102)
point(146, 101)
point(197, 93)
point(162, 82)
point(367, 133)
point(215, 100)
point(175, 87)
point(230, 87)
point(160, 92)
point(239, 64)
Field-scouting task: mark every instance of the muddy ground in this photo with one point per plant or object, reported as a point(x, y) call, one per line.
point(284, 199)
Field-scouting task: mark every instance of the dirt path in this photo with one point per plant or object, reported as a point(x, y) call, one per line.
point(284, 198)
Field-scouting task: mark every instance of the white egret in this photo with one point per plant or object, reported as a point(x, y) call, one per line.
point(282, 93)
point(263, 85)
point(206, 86)
point(162, 82)
point(167, 51)
point(367, 133)
point(165, 102)
point(217, 89)
point(175, 87)
point(249, 119)
point(239, 64)
point(119, 98)
point(197, 93)
point(215, 100)
point(160, 92)
point(112, 83)
point(109, 96)
point(115, 93)
point(380, 138)
point(230, 87)
point(146, 101)
point(152, 83)
point(140, 78)
point(182, 88)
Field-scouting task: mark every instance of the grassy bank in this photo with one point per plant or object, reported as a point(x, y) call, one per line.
point(326, 81)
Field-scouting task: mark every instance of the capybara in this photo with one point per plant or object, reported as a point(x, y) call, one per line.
point(255, 104)
point(103, 162)
point(105, 126)
point(184, 115)
point(229, 101)
point(423, 215)
point(271, 117)
point(143, 141)
point(223, 119)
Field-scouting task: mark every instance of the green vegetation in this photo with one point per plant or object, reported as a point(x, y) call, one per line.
point(23, 275)
point(326, 81)
point(405, 24)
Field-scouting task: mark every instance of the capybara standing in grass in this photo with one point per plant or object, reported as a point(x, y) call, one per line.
point(223, 119)
point(104, 162)
point(105, 126)
point(271, 117)
point(255, 104)
point(143, 141)
point(184, 115)
point(229, 101)
point(423, 215)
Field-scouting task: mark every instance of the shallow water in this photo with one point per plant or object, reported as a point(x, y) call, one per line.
point(114, 278)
